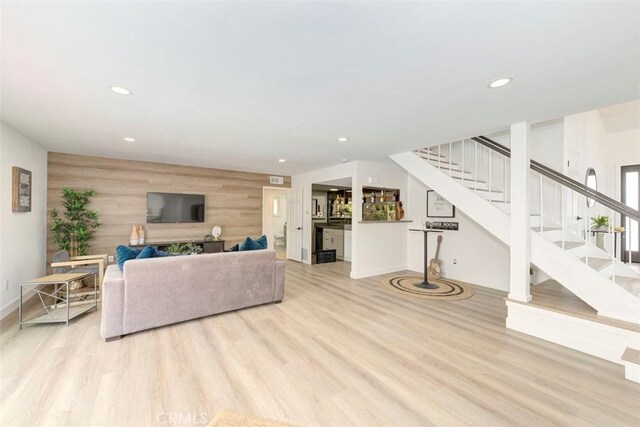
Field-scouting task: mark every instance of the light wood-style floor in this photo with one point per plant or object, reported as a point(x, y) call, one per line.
point(336, 352)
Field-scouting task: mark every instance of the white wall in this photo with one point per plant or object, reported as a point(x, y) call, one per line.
point(305, 181)
point(22, 235)
point(588, 143)
point(378, 248)
point(481, 258)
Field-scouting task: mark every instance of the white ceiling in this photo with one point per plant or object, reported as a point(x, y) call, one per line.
point(239, 85)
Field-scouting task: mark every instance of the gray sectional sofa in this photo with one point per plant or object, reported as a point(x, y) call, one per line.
point(161, 291)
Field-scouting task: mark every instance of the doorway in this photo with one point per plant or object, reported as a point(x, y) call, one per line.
point(274, 218)
point(331, 214)
point(630, 196)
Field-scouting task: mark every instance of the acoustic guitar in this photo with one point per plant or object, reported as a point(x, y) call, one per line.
point(435, 263)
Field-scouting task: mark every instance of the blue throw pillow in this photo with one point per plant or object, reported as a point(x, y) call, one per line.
point(124, 254)
point(162, 254)
point(234, 248)
point(147, 252)
point(253, 245)
point(262, 241)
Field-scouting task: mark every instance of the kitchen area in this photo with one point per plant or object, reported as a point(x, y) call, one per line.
point(331, 212)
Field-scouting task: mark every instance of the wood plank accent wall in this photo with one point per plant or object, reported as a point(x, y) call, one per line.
point(233, 200)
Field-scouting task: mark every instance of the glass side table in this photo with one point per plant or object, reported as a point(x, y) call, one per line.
point(64, 304)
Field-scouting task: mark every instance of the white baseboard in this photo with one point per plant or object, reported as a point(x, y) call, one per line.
point(377, 271)
point(13, 306)
point(594, 338)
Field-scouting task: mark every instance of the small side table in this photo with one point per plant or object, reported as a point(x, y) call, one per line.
point(61, 310)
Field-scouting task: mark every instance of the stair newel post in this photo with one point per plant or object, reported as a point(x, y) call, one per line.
point(541, 216)
point(613, 247)
point(520, 231)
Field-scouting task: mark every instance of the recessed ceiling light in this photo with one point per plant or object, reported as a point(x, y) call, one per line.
point(120, 90)
point(343, 139)
point(344, 160)
point(282, 160)
point(500, 82)
point(129, 139)
point(333, 189)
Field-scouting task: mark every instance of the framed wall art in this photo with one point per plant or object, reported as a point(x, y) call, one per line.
point(21, 190)
point(438, 206)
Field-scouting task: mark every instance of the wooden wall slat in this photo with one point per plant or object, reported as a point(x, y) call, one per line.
point(233, 199)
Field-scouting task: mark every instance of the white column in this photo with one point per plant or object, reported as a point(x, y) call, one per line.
point(520, 231)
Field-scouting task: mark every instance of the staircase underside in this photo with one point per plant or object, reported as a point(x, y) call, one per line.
point(609, 299)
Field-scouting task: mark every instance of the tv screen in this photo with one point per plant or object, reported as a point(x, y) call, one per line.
point(173, 208)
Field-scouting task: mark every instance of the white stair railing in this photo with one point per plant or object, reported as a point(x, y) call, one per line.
point(551, 205)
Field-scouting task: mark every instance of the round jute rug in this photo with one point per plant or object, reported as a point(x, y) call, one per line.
point(447, 290)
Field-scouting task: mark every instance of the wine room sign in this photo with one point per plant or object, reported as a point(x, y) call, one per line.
point(21, 192)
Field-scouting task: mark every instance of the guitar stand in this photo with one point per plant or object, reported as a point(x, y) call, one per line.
point(425, 283)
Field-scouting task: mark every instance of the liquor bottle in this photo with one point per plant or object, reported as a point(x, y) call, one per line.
point(383, 197)
point(395, 196)
point(373, 197)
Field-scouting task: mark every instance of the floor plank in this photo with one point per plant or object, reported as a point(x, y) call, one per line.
point(336, 352)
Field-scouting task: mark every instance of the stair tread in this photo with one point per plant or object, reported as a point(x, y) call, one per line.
point(596, 263)
point(468, 179)
point(569, 245)
point(445, 166)
point(551, 295)
point(538, 229)
point(429, 151)
point(632, 284)
point(631, 355)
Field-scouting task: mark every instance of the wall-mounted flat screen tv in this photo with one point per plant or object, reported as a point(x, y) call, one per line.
point(174, 208)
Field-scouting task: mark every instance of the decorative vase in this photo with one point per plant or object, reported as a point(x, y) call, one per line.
point(133, 238)
point(140, 235)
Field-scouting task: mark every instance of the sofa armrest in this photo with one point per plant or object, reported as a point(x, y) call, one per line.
point(279, 285)
point(112, 324)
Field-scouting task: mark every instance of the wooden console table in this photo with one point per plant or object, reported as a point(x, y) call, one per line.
point(61, 309)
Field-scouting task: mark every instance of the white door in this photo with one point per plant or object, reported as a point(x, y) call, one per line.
point(294, 224)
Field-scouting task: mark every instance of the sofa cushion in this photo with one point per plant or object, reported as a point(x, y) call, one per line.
point(148, 252)
point(124, 254)
point(253, 245)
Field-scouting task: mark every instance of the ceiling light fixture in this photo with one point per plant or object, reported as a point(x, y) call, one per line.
point(343, 139)
point(344, 160)
point(333, 189)
point(129, 139)
point(282, 160)
point(503, 81)
point(120, 90)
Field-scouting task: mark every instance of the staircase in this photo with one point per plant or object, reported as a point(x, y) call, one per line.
point(474, 175)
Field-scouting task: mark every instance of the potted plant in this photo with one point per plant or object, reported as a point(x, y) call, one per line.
point(73, 228)
point(599, 224)
point(184, 249)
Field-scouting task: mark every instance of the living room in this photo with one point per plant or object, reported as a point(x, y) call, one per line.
point(309, 213)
